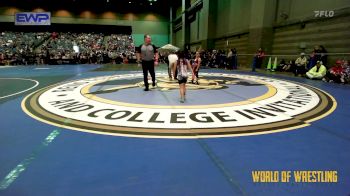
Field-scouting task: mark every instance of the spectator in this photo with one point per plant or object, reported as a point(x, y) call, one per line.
point(195, 67)
point(323, 55)
point(125, 59)
point(335, 73)
point(314, 57)
point(2, 58)
point(317, 72)
point(258, 59)
point(345, 75)
point(289, 66)
point(281, 65)
point(300, 65)
point(232, 58)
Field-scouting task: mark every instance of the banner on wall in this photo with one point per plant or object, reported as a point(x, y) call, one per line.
point(33, 18)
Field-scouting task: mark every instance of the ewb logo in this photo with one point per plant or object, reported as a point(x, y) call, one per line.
point(33, 18)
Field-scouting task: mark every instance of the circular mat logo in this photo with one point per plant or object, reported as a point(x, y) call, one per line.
point(222, 105)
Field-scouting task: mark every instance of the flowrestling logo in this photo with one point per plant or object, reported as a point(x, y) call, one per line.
point(33, 18)
point(222, 105)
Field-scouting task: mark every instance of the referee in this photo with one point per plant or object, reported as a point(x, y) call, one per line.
point(147, 53)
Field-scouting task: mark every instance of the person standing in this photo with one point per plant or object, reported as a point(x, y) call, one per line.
point(323, 55)
point(314, 57)
point(232, 59)
point(147, 55)
point(195, 66)
point(229, 59)
point(182, 65)
point(258, 59)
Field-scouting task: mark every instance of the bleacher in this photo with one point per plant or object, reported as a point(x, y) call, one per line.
point(19, 48)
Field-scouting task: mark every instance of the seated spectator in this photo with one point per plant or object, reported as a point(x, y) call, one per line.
point(2, 58)
point(345, 78)
point(334, 74)
point(317, 72)
point(288, 66)
point(300, 65)
point(125, 59)
point(281, 65)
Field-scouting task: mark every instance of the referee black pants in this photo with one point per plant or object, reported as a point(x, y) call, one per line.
point(148, 66)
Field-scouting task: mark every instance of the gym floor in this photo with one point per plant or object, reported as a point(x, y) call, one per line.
point(38, 158)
